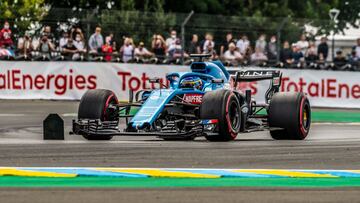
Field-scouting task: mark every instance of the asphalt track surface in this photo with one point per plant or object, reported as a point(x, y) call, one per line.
point(329, 146)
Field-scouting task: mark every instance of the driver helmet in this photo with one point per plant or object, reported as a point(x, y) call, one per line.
point(192, 82)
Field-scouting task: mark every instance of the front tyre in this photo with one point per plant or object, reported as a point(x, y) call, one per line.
point(224, 106)
point(291, 112)
point(98, 104)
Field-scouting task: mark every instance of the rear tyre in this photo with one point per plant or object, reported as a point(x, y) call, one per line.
point(292, 113)
point(94, 104)
point(224, 106)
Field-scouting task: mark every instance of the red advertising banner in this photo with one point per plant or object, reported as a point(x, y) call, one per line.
point(70, 80)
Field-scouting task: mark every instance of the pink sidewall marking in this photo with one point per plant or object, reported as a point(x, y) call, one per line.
point(302, 129)
point(107, 104)
point(233, 134)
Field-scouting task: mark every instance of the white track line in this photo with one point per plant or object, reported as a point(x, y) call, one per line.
point(69, 114)
point(12, 114)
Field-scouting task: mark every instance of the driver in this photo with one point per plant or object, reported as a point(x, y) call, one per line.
point(192, 82)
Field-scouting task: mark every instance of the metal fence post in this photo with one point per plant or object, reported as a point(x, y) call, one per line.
point(87, 32)
point(89, 20)
point(278, 33)
point(183, 35)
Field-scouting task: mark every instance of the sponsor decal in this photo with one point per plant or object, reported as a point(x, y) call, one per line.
point(252, 73)
point(15, 79)
point(135, 83)
point(326, 88)
point(193, 98)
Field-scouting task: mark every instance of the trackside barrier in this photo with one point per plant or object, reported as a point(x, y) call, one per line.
point(70, 80)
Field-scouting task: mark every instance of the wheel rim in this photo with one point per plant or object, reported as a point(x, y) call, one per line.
point(306, 117)
point(234, 116)
point(110, 114)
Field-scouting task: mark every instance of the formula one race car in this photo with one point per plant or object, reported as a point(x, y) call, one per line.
point(204, 102)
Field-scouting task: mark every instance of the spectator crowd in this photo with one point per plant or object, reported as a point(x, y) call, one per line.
point(232, 51)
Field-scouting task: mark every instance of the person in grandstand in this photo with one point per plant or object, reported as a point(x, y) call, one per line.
point(303, 44)
point(286, 54)
point(353, 57)
point(170, 42)
point(357, 49)
point(6, 42)
point(339, 60)
point(6, 36)
point(107, 49)
point(260, 44)
point(228, 40)
point(210, 50)
point(79, 43)
point(323, 49)
point(96, 41)
point(243, 44)
point(271, 50)
point(127, 50)
point(311, 55)
point(76, 31)
point(194, 46)
point(232, 57)
point(69, 50)
point(114, 47)
point(208, 42)
point(47, 32)
point(63, 40)
point(258, 57)
point(24, 47)
point(296, 55)
point(158, 47)
point(175, 53)
point(110, 37)
point(45, 48)
point(142, 54)
point(354, 61)
point(247, 55)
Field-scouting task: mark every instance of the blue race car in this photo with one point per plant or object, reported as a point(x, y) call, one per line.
point(204, 102)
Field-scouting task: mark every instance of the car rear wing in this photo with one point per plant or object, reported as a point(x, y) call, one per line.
point(256, 75)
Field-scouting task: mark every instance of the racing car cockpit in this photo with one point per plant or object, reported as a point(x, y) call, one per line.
point(192, 82)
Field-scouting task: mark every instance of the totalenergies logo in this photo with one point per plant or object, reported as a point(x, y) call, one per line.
point(135, 83)
point(15, 79)
point(327, 87)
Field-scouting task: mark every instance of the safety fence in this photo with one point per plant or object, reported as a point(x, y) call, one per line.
point(45, 38)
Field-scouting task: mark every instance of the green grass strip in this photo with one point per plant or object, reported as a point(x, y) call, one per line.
point(319, 115)
point(108, 182)
point(335, 116)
